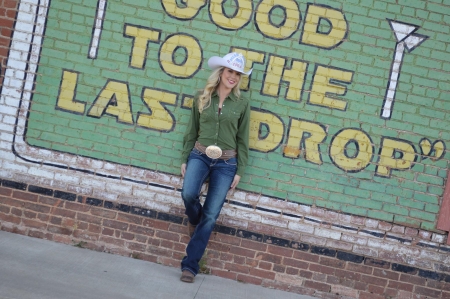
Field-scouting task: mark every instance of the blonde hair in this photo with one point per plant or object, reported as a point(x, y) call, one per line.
point(204, 100)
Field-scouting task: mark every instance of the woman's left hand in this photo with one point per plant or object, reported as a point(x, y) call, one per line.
point(235, 182)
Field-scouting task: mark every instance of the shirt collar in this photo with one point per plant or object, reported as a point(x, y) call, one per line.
point(230, 96)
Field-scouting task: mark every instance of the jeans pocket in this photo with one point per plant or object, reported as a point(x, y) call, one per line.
point(231, 162)
point(196, 152)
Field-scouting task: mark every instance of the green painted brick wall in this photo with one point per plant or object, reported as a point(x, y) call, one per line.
point(421, 108)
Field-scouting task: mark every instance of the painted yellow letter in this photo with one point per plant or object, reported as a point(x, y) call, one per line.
point(192, 61)
point(339, 151)
point(274, 135)
point(188, 12)
point(276, 72)
point(325, 82)
point(395, 154)
point(336, 20)
point(287, 27)
point(240, 18)
point(160, 118)
point(66, 98)
point(141, 36)
point(113, 100)
point(307, 136)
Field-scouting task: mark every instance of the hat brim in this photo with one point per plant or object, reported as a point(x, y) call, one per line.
point(215, 62)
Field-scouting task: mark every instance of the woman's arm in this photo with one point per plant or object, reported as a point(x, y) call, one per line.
point(191, 133)
point(242, 139)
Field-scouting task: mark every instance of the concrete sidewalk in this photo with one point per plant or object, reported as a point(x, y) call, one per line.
point(41, 269)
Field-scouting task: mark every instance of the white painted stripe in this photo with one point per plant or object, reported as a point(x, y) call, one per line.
point(98, 26)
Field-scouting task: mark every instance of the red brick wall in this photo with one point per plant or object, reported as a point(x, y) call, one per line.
point(252, 255)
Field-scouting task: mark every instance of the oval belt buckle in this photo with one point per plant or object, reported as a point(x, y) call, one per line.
point(213, 152)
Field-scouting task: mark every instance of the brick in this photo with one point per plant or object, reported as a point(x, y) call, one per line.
point(377, 263)
point(15, 211)
point(59, 230)
point(317, 286)
point(165, 244)
point(240, 260)
point(279, 268)
point(76, 207)
point(268, 258)
point(141, 230)
point(262, 274)
point(344, 291)
point(55, 220)
point(136, 247)
point(103, 213)
point(375, 289)
point(84, 235)
point(386, 274)
point(224, 274)
point(34, 224)
point(36, 207)
point(295, 263)
point(306, 256)
point(374, 280)
point(276, 285)
point(292, 271)
point(55, 202)
point(167, 236)
point(265, 265)
point(427, 292)
point(41, 235)
point(280, 251)
point(112, 241)
point(5, 191)
point(218, 246)
point(332, 262)
point(321, 269)
point(237, 268)
point(320, 277)
point(249, 279)
point(107, 231)
point(360, 268)
point(254, 245)
point(89, 218)
point(129, 218)
point(9, 218)
point(242, 251)
point(364, 295)
point(226, 239)
point(156, 224)
point(347, 274)
point(25, 196)
point(63, 212)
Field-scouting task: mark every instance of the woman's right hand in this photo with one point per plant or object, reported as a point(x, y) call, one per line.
point(183, 169)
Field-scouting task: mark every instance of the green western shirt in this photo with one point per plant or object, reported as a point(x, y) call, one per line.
point(229, 130)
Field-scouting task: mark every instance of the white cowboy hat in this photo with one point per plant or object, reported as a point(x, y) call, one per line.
point(234, 61)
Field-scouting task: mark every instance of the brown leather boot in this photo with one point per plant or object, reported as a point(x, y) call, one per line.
point(191, 228)
point(187, 276)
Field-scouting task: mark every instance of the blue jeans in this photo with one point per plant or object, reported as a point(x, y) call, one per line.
point(221, 174)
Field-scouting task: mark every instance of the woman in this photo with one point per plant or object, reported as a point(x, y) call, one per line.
point(215, 146)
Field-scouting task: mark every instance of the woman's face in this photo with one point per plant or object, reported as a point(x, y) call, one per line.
point(229, 78)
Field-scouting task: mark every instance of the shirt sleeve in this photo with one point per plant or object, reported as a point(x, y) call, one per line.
point(242, 139)
point(191, 134)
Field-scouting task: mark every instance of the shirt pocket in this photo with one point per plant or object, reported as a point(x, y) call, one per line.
point(232, 114)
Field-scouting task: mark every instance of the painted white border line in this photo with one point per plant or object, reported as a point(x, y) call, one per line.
point(97, 30)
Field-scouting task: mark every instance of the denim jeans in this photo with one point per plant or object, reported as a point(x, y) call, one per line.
point(221, 174)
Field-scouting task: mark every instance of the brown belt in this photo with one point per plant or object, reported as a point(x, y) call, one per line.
point(226, 154)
